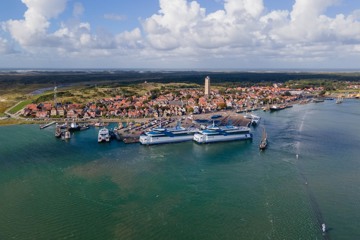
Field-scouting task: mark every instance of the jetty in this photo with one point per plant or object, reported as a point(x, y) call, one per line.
point(47, 125)
point(131, 133)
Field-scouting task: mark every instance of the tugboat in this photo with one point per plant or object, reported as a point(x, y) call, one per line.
point(66, 135)
point(274, 108)
point(84, 127)
point(263, 143)
point(74, 127)
point(58, 132)
point(255, 120)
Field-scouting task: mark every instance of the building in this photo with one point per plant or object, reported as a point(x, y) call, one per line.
point(207, 85)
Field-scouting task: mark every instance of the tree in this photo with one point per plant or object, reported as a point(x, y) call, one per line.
point(322, 93)
point(221, 105)
point(190, 109)
point(287, 94)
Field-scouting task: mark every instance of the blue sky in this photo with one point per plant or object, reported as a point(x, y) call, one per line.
point(202, 34)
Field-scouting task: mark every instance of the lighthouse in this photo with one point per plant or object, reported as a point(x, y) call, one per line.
point(207, 86)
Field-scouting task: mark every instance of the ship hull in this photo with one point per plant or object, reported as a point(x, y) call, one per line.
point(152, 140)
point(201, 138)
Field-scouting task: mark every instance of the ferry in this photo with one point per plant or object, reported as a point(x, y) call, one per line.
point(224, 133)
point(103, 135)
point(167, 135)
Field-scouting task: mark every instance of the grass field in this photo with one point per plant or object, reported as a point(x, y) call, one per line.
point(5, 105)
point(19, 106)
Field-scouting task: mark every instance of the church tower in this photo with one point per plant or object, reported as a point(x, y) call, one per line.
point(207, 86)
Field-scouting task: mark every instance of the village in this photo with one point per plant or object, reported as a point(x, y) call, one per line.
point(166, 103)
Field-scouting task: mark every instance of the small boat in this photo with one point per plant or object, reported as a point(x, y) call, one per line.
point(104, 135)
point(74, 127)
point(58, 132)
point(339, 100)
point(255, 119)
point(98, 124)
point(117, 135)
point(317, 100)
point(62, 126)
point(66, 135)
point(84, 127)
point(263, 143)
point(276, 108)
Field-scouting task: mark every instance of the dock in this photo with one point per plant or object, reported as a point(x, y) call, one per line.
point(132, 134)
point(47, 125)
point(131, 139)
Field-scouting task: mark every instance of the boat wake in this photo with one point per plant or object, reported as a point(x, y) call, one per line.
point(301, 127)
point(312, 200)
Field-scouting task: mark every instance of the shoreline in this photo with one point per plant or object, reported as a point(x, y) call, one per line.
point(8, 121)
point(12, 121)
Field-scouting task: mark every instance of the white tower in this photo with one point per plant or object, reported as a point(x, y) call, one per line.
point(55, 101)
point(207, 86)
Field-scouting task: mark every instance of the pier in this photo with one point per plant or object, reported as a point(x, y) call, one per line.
point(47, 125)
point(131, 134)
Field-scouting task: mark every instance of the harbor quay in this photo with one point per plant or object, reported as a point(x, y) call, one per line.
point(129, 130)
point(131, 134)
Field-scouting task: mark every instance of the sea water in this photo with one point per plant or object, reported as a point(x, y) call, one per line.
point(80, 189)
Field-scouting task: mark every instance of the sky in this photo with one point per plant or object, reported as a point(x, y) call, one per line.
point(180, 34)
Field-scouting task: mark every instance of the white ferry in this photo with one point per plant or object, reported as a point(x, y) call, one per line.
point(103, 135)
point(224, 133)
point(167, 135)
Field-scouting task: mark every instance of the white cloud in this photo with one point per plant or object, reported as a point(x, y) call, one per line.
point(131, 39)
point(5, 47)
point(78, 10)
point(74, 36)
point(252, 8)
point(115, 17)
point(242, 31)
point(32, 29)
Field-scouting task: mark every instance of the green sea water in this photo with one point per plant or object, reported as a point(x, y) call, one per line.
point(51, 189)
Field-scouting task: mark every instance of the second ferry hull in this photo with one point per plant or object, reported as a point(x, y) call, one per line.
point(152, 140)
point(200, 138)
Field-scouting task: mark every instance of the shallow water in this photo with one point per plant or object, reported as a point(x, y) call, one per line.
point(51, 189)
